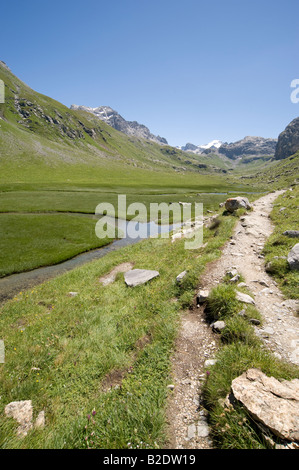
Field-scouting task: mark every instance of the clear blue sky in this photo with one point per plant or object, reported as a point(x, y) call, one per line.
point(190, 70)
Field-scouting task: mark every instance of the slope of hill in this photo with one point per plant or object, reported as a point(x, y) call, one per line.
point(40, 135)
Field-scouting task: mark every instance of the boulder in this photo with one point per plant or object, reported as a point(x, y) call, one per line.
point(202, 296)
point(234, 203)
point(22, 412)
point(269, 401)
point(136, 277)
point(244, 298)
point(293, 257)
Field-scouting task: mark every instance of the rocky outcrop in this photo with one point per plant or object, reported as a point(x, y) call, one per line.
point(239, 202)
point(115, 120)
point(258, 146)
point(273, 403)
point(288, 141)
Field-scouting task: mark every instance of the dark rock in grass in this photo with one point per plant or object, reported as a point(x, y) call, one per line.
point(135, 277)
point(293, 257)
point(180, 277)
point(291, 233)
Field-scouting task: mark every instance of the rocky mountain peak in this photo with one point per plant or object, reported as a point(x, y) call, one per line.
point(115, 120)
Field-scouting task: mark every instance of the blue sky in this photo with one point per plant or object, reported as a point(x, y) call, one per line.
point(190, 70)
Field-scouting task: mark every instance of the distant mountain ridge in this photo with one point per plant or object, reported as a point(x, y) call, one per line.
point(249, 146)
point(115, 120)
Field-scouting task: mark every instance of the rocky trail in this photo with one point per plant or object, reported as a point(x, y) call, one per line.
point(196, 342)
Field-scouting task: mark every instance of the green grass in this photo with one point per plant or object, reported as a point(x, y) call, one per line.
point(232, 427)
point(60, 350)
point(284, 217)
point(28, 241)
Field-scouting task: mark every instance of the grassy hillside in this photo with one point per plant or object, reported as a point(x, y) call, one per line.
point(40, 136)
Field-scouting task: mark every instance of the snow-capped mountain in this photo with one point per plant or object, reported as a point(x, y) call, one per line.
point(198, 149)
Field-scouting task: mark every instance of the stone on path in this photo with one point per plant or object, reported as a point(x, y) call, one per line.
point(202, 296)
point(273, 403)
point(136, 277)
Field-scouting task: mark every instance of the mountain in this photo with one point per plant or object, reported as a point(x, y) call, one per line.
point(115, 120)
point(288, 141)
point(40, 136)
point(199, 149)
point(249, 146)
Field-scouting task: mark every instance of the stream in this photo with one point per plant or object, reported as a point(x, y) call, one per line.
point(15, 283)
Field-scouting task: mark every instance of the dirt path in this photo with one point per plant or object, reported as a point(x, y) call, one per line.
point(196, 342)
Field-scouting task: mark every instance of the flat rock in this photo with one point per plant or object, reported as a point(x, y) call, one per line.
point(273, 403)
point(21, 411)
point(136, 277)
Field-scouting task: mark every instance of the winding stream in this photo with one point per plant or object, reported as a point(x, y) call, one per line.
point(15, 283)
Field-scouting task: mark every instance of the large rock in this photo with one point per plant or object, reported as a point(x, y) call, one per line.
point(21, 411)
point(293, 257)
point(273, 403)
point(135, 277)
point(288, 140)
point(291, 233)
point(234, 203)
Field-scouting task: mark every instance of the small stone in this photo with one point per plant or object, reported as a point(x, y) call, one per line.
point(203, 430)
point(210, 362)
point(180, 277)
point(244, 298)
point(218, 326)
point(202, 296)
point(40, 420)
point(191, 431)
point(73, 294)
